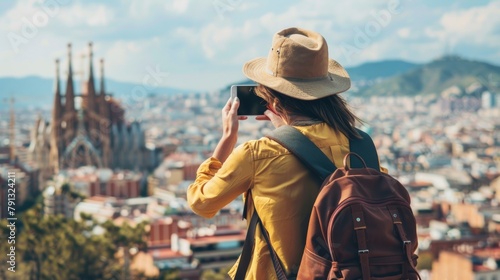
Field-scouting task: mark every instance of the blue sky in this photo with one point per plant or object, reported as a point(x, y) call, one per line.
point(202, 44)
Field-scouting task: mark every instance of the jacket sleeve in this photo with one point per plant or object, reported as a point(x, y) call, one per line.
point(217, 184)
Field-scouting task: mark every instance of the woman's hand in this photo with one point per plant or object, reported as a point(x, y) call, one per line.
point(230, 118)
point(230, 124)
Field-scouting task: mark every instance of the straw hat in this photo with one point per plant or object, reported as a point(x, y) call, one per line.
point(298, 66)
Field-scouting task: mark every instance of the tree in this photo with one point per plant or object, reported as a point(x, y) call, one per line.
point(425, 260)
point(214, 275)
point(54, 247)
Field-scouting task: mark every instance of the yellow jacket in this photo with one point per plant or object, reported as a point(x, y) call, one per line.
point(283, 191)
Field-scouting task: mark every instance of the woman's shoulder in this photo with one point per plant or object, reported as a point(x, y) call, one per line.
point(323, 135)
point(263, 148)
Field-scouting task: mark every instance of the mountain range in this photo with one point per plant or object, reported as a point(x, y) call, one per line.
point(366, 72)
point(34, 91)
point(402, 78)
point(436, 76)
point(383, 78)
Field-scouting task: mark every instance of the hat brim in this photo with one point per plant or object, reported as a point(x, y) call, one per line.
point(336, 82)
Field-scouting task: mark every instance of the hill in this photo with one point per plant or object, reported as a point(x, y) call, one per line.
point(379, 70)
point(436, 76)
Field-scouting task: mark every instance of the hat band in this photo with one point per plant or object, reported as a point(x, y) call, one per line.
point(327, 76)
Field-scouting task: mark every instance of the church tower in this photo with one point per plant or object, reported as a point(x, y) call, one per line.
point(105, 123)
point(56, 131)
point(69, 119)
point(103, 106)
point(92, 114)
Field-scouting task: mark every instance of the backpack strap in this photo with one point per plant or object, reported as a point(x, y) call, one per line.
point(365, 148)
point(246, 253)
point(304, 149)
point(278, 266)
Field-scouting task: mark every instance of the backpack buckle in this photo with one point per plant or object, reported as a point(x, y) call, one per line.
point(407, 242)
point(364, 251)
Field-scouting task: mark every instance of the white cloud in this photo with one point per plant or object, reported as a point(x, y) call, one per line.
point(180, 6)
point(124, 52)
point(188, 35)
point(144, 10)
point(214, 38)
point(476, 26)
point(404, 32)
point(138, 9)
point(326, 17)
point(91, 15)
point(32, 13)
point(101, 17)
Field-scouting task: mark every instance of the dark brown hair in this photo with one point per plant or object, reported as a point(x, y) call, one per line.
point(332, 110)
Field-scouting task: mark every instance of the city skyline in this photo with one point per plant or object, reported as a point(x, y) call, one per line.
point(202, 45)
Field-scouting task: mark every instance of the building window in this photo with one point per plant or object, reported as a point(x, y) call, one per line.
point(223, 221)
point(102, 188)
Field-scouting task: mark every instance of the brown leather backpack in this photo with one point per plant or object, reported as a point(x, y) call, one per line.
point(361, 225)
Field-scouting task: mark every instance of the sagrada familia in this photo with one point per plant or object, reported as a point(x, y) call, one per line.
point(88, 128)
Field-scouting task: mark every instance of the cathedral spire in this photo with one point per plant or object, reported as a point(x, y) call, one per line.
point(92, 109)
point(103, 105)
point(91, 92)
point(70, 91)
point(105, 124)
point(57, 110)
point(56, 131)
point(103, 90)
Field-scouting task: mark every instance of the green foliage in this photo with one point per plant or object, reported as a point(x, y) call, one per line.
point(215, 275)
point(68, 189)
point(379, 69)
point(424, 260)
point(65, 188)
point(172, 274)
point(55, 247)
point(34, 198)
point(170, 211)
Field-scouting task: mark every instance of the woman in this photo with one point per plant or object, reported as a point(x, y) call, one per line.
point(301, 85)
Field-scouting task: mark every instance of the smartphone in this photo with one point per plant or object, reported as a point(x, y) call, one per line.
point(250, 103)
